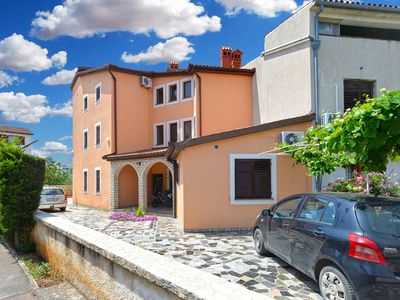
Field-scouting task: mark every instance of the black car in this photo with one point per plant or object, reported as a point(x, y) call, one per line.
point(348, 243)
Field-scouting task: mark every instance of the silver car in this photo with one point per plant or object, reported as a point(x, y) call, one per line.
point(53, 197)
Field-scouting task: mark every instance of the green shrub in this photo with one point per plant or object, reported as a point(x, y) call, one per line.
point(21, 182)
point(139, 212)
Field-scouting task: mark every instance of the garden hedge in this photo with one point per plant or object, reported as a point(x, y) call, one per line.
point(21, 182)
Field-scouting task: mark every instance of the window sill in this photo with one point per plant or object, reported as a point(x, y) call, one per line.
point(159, 146)
point(98, 146)
point(172, 102)
point(186, 99)
point(252, 201)
point(159, 105)
point(97, 194)
point(97, 102)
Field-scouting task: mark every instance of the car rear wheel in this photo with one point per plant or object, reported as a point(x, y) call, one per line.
point(334, 285)
point(259, 242)
point(63, 208)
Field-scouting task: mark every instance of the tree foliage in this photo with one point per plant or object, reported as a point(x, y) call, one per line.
point(368, 135)
point(55, 174)
point(21, 182)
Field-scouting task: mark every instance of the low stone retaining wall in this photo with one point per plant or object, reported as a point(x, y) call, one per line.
point(102, 267)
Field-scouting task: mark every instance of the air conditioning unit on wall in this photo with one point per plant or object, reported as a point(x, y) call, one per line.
point(291, 137)
point(327, 118)
point(146, 82)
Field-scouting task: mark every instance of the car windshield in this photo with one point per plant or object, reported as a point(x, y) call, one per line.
point(50, 192)
point(380, 217)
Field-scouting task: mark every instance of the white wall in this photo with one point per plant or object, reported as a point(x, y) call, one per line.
point(356, 58)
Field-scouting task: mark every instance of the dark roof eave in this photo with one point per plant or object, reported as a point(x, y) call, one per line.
point(114, 157)
point(175, 149)
point(358, 5)
point(190, 70)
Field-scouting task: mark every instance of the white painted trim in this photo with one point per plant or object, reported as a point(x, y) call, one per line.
point(234, 201)
point(169, 132)
point(95, 88)
point(83, 181)
point(95, 133)
point(177, 92)
point(87, 139)
point(155, 135)
point(181, 88)
point(182, 127)
point(95, 181)
point(87, 103)
point(155, 95)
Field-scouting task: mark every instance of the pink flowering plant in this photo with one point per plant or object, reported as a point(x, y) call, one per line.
point(379, 184)
point(137, 215)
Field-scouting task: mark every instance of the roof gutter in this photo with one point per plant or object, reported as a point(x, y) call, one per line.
point(315, 44)
point(114, 115)
point(358, 6)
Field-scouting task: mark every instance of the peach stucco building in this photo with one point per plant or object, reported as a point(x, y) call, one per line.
point(139, 134)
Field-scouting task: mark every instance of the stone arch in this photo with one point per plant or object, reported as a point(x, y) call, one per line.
point(116, 168)
point(144, 178)
point(128, 187)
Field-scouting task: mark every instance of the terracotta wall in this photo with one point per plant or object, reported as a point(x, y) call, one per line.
point(203, 192)
point(226, 102)
point(128, 191)
point(92, 157)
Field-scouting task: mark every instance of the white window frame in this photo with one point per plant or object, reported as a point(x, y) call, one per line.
point(95, 181)
point(182, 128)
point(87, 139)
point(273, 198)
point(155, 95)
point(87, 102)
point(83, 181)
point(169, 131)
point(95, 135)
point(177, 92)
point(182, 81)
point(155, 135)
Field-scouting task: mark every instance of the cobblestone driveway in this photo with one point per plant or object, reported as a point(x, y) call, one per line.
point(228, 255)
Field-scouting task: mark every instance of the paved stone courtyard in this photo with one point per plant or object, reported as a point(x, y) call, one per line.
point(228, 255)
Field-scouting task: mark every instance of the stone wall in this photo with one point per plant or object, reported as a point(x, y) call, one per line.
point(102, 267)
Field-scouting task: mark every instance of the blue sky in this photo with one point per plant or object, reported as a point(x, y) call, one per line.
point(93, 35)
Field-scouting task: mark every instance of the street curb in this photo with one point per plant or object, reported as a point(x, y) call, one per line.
point(32, 281)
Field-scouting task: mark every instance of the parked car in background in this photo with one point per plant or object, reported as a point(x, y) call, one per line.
point(348, 243)
point(53, 197)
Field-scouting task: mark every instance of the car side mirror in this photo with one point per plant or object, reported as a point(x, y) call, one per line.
point(267, 213)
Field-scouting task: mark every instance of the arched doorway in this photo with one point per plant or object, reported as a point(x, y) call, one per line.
point(128, 195)
point(159, 184)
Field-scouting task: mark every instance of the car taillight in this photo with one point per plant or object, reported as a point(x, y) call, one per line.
point(65, 198)
point(365, 249)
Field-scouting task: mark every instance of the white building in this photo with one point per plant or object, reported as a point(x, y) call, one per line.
point(21, 135)
point(323, 57)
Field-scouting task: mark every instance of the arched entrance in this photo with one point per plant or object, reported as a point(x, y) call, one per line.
point(159, 186)
point(128, 187)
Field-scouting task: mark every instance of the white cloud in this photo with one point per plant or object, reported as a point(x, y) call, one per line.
point(64, 110)
point(61, 77)
point(49, 148)
point(175, 49)
point(29, 109)
point(263, 8)
point(18, 54)
point(82, 18)
point(67, 137)
point(6, 80)
point(59, 59)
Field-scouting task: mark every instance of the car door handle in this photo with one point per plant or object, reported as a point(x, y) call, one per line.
point(319, 232)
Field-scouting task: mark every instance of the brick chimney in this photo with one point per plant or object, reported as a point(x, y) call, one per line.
point(173, 66)
point(226, 57)
point(230, 59)
point(237, 59)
